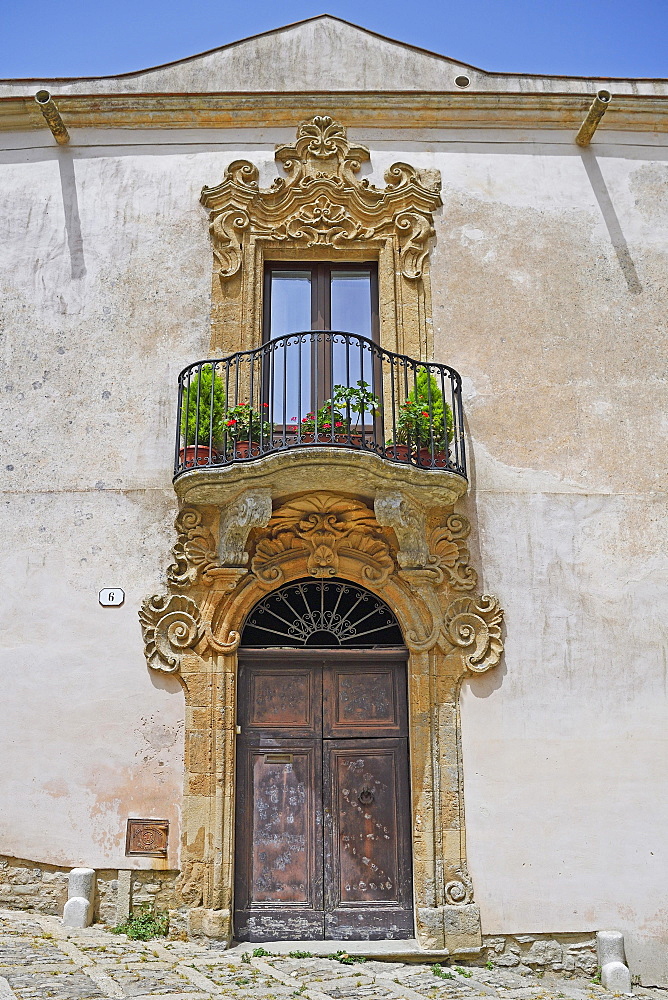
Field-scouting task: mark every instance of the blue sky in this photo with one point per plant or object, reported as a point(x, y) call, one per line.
point(570, 37)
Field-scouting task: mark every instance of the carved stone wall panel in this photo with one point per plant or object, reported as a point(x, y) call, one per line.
point(322, 209)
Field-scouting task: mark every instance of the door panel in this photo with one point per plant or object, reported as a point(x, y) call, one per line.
point(367, 840)
point(281, 700)
point(364, 700)
point(279, 855)
point(286, 704)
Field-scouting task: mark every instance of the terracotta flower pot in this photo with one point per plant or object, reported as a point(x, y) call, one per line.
point(424, 458)
point(246, 449)
point(399, 452)
point(196, 454)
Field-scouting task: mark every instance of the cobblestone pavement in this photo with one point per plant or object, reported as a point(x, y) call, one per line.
point(39, 958)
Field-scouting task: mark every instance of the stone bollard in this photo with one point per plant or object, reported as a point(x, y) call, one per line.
point(78, 910)
point(615, 975)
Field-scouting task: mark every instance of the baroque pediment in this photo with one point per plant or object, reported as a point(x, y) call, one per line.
point(322, 201)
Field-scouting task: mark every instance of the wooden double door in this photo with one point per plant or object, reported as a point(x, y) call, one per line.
point(323, 845)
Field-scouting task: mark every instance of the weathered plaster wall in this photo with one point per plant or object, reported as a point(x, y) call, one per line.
point(548, 281)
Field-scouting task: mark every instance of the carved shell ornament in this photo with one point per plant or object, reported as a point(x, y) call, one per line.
point(322, 202)
point(195, 550)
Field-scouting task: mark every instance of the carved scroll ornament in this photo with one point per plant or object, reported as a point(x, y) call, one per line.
point(473, 624)
point(459, 890)
point(170, 625)
point(325, 527)
point(322, 201)
point(442, 552)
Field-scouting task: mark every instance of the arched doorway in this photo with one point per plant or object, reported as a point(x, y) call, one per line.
point(323, 847)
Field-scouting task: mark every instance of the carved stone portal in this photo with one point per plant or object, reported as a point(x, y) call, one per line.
point(415, 559)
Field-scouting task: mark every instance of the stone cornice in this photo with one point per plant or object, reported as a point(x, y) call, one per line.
point(395, 110)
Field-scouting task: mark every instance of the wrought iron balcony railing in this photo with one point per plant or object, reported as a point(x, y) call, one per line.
point(319, 389)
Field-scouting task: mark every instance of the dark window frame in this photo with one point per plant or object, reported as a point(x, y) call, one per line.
point(321, 284)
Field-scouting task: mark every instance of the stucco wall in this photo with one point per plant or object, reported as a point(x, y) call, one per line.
point(548, 281)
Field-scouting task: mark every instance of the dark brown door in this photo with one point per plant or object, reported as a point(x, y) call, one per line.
point(323, 832)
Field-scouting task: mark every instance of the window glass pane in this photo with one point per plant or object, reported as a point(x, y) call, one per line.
point(290, 313)
point(290, 302)
point(351, 302)
point(351, 313)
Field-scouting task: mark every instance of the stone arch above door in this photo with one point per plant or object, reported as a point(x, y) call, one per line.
point(416, 560)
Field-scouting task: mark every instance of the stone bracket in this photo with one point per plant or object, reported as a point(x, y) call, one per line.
point(250, 510)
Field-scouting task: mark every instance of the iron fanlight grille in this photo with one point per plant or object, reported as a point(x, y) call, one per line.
point(322, 613)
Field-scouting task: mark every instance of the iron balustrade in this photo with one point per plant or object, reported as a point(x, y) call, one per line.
point(319, 389)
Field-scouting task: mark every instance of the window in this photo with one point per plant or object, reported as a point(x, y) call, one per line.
point(303, 297)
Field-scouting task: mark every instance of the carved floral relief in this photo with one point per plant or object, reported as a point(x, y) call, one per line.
point(322, 201)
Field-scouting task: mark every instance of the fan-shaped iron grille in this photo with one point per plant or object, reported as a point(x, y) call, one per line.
point(321, 613)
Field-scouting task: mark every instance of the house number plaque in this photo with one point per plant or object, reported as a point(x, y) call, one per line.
point(111, 597)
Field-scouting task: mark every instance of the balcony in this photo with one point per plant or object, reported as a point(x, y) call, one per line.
point(320, 399)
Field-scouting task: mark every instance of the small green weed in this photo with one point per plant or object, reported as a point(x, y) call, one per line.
point(597, 978)
point(345, 959)
point(260, 953)
point(143, 924)
point(300, 954)
point(463, 972)
point(243, 982)
point(439, 971)
point(245, 956)
point(489, 964)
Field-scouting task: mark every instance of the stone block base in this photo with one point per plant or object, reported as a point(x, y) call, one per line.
point(210, 923)
point(557, 952)
point(452, 928)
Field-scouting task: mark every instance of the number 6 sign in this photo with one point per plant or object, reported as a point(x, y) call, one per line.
point(111, 597)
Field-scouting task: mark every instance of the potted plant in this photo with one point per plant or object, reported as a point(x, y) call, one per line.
point(425, 421)
point(244, 429)
point(202, 412)
point(325, 424)
point(360, 400)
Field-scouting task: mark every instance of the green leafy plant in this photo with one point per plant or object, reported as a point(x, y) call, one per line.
point(202, 423)
point(345, 959)
point(260, 953)
point(244, 423)
point(489, 964)
point(463, 972)
point(300, 954)
point(596, 979)
point(424, 414)
point(356, 399)
point(442, 973)
point(144, 924)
